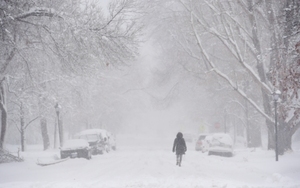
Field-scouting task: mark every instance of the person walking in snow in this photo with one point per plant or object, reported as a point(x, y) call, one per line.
point(180, 147)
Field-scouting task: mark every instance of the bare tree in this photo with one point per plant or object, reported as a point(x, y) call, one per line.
point(12, 15)
point(70, 38)
point(251, 37)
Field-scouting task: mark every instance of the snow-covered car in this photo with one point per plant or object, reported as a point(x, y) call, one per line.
point(202, 143)
point(100, 140)
point(76, 148)
point(221, 144)
point(96, 138)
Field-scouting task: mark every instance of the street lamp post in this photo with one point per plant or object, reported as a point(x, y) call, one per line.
point(275, 98)
point(60, 129)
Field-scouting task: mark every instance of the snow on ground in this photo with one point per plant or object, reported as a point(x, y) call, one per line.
point(147, 163)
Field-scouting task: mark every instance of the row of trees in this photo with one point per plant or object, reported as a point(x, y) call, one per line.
point(50, 49)
point(251, 45)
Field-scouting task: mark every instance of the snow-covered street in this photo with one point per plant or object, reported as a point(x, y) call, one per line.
point(145, 163)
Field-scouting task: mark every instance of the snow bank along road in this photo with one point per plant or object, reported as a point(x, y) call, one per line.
point(147, 163)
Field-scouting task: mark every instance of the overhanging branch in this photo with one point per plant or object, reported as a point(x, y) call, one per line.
point(38, 12)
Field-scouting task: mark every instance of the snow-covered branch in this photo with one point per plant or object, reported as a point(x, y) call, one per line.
point(233, 49)
point(37, 11)
point(221, 74)
point(31, 121)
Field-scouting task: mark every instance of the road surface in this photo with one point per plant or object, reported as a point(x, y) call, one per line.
point(147, 163)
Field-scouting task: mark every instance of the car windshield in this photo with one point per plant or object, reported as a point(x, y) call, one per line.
point(75, 143)
point(202, 137)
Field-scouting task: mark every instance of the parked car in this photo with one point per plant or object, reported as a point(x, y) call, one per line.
point(100, 140)
point(221, 144)
point(76, 148)
point(96, 138)
point(202, 143)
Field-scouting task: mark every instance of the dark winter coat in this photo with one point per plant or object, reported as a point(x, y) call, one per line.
point(179, 144)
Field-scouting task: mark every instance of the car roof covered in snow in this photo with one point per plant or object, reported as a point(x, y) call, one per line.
point(223, 137)
point(93, 131)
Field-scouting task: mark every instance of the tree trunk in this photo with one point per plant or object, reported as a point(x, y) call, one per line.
point(291, 26)
point(22, 129)
point(45, 136)
point(274, 58)
point(285, 137)
point(260, 67)
point(22, 139)
point(279, 62)
point(270, 125)
point(3, 113)
point(254, 136)
point(3, 125)
point(43, 120)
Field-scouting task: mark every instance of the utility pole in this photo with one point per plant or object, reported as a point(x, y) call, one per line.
point(59, 123)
